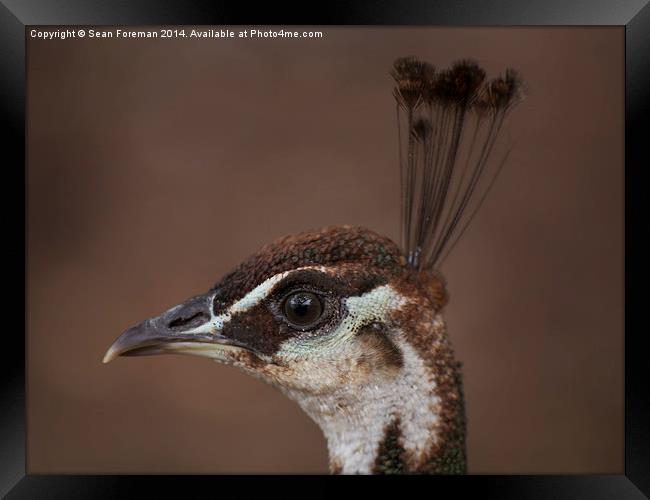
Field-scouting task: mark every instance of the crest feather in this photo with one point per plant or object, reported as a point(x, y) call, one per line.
point(453, 119)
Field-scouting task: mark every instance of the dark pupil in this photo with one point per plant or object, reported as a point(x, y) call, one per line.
point(302, 308)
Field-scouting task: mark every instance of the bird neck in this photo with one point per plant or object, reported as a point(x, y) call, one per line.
point(411, 422)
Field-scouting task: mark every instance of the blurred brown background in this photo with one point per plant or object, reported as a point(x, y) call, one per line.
point(155, 166)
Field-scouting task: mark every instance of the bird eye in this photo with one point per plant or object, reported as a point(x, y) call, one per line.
point(302, 308)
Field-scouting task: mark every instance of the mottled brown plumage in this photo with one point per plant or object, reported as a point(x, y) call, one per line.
point(331, 245)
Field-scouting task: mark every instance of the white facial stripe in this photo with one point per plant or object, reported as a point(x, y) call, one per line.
point(248, 301)
point(374, 305)
point(257, 294)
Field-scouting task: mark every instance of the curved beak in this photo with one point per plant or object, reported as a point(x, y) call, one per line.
point(188, 328)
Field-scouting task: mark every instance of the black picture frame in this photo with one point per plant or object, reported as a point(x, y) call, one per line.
point(633, 15)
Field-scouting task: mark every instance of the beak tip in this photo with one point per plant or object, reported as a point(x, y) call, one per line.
point(109, 356)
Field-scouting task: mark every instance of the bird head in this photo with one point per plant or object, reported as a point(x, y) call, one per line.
point(312, 313)
point(345, 321)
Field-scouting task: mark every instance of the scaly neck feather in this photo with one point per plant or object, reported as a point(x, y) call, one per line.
point(410, 422)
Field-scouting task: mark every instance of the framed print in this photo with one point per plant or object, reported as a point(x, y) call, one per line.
point(406, 235)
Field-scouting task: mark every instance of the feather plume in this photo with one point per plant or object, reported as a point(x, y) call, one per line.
point(448, 124)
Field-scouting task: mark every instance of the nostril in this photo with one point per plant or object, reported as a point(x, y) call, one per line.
point(185, 321)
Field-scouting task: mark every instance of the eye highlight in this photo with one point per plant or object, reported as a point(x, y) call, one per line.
point(302, 309)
